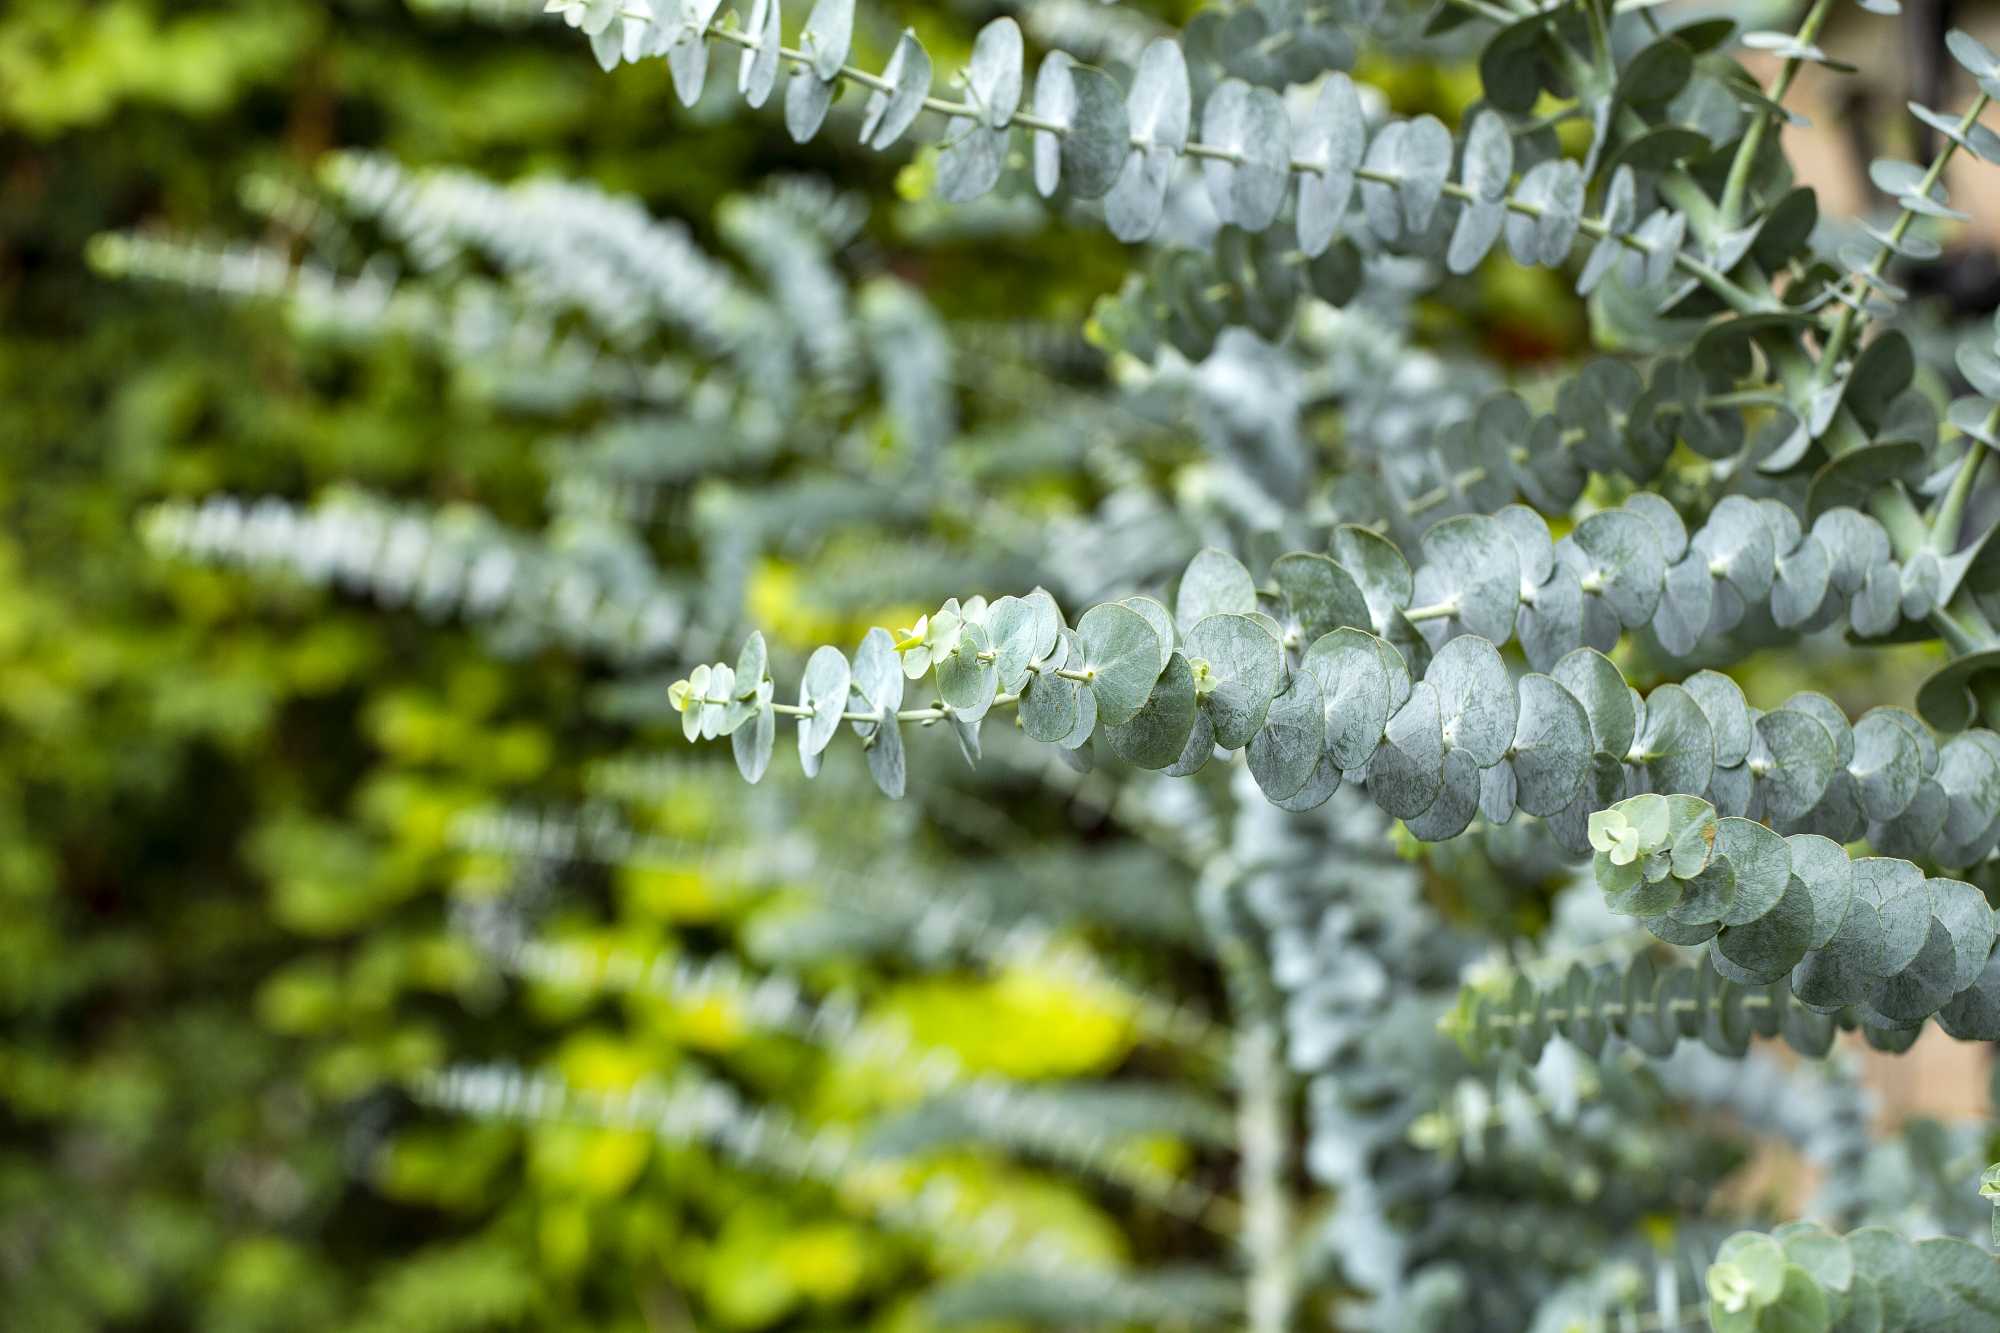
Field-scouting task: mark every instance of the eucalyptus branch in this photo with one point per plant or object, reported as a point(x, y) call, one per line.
point(1976, 469)
point(1730, 208)
point(1166, 689)
point(1848, 323)
point(937, 714)
point(1162, 688)
point(1336, 120)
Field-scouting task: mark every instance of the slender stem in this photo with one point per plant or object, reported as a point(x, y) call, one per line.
point(1758, 397)
point(1961, 624)
point(1739, 300)
point(1426, 501)
point(1958, 636)
point(1435, 611)
point(1847, 326)
point(1975, 467)
point(1738, 183)
point(1600, 37)
point(1082, 677)
point(902, 714)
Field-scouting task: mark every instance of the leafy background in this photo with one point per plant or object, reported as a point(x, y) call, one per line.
point(223, 833)
point(225, 807)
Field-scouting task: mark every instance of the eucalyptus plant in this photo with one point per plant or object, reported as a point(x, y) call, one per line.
point(1359, 700)
point(1834, 497)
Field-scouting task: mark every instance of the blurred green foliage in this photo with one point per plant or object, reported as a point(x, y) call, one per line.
point(224, 807)
point(220, 810)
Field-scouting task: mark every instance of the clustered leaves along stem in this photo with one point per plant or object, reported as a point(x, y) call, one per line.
point(1098, 142)
point(1299, 678)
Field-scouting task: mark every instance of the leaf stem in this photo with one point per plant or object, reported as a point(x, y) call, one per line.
point(1975, 467)
point(1738, 183)
point(1435, 611)
point(1846, 327)
point(937, 714)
